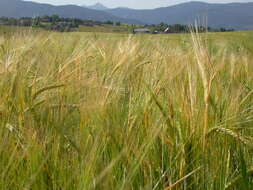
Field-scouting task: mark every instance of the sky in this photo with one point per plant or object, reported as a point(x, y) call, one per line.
point(137, 4)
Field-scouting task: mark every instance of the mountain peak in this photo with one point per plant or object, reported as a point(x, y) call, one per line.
point(97, 6)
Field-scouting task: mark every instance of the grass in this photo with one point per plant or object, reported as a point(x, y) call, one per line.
point(113, 111)
point(105, 29)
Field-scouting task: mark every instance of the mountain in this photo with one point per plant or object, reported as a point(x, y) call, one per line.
point(97, 6)
point(18, 8)
point(232, 15)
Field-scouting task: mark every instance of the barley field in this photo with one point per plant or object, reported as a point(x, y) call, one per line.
point(81, 111)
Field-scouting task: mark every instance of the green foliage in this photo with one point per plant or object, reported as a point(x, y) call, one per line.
point(109, 22)
point(53, 22)
point(179, 28)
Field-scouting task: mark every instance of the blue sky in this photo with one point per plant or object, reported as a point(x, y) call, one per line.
point(138, 4)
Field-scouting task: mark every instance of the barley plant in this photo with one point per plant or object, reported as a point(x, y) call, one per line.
point(82, 111)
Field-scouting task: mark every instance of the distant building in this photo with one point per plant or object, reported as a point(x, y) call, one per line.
point(45, 20)
point(155, 32)
point(142, 30)
point(167, 30)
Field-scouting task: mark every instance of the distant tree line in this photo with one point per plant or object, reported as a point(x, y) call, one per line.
point(61, 24)
point(53, 22)
point(179, 28)
point(47, 22)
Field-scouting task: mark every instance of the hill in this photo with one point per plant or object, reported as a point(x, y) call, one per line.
point(232, 15)
point(18, 8)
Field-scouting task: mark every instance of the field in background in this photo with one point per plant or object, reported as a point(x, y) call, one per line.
point(105, 29)
point(114, 111)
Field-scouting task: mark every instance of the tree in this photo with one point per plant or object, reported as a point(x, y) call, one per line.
point(55, 18)
point(109, 22)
